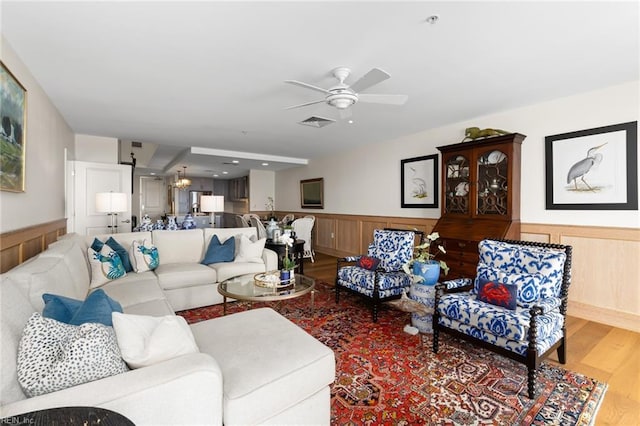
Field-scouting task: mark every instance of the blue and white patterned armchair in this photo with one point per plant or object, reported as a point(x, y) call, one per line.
point(378, 281)
point(516, 305)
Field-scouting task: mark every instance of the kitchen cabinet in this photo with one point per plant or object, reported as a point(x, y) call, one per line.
point(480, 198)
point(239, 188)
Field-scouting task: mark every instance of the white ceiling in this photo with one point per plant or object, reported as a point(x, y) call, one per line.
point(210, 75)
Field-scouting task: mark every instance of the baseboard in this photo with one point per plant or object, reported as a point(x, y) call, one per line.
point(607, 316)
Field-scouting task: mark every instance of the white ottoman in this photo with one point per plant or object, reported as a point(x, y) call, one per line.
point(273, 371)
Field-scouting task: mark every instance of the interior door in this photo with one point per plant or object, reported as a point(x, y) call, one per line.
point(152, 197)
point(87, 180)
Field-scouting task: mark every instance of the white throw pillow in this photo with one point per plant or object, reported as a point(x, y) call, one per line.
point(146, 340)
point(105, 266)
point(238, 237)
point(144, 256)
point(250, 251)
point(54, 356)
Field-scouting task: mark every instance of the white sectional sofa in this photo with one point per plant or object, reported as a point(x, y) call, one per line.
point(253, 367)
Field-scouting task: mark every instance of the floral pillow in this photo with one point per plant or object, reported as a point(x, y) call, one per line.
point(106, 266)
point(145, 256)
point(528, 285)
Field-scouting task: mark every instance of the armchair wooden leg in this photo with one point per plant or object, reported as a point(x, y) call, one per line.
point(436, 335)
point(374, 311)
point(531, 383)
point(337, 292)
point(562, 352)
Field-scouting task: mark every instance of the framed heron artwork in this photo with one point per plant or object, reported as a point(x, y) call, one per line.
point(419, 180)
point(593, 169)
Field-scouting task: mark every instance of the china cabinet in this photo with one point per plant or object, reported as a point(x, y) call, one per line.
point(480, 198)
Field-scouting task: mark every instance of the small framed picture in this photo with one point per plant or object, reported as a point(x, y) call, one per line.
point(419, 182)
point(312, 193)
point(593, 169)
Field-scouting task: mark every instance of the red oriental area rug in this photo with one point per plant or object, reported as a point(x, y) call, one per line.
point(385, 376)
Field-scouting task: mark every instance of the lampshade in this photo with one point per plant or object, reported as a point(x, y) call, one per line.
point(111, 202)
point(212, 203)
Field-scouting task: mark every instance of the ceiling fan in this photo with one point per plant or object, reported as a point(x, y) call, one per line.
point(342, 96)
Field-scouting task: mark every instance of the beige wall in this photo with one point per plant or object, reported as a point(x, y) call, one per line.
point(47, 135)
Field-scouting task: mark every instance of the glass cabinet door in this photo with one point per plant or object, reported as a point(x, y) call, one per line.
point(457, 185)
point(492, 183)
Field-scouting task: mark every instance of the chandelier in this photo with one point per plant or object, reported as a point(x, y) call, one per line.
point(182, 182)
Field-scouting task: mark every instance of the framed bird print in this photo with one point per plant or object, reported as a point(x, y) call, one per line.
point(593, 169)
point(419, 180)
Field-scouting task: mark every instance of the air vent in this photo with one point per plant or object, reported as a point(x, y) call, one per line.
point(135, 144)
point(317, 121)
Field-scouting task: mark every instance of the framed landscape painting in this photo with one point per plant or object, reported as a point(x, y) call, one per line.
point(593, 169)
point(419, 181)
point(312, 193)
point(13, 111)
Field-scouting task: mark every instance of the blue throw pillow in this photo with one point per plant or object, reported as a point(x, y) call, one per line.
point(59, 308)
point(217, 252)
point(97, 307)
point(96, 245)
point(498, 294)
point(122, 252)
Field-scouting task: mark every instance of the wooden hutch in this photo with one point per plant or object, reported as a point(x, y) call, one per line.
point(480, 198)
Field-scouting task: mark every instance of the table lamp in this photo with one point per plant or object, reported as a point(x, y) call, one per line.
point(111, 203)
point(212, 204)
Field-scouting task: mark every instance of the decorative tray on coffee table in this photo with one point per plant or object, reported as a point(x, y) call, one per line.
point(271, 280)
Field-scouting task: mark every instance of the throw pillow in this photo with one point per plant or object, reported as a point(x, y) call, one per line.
point(217, 252)
point(498, 294)
point(238, 237)
point(122, 253)
point(96, 245)
point(146, 340)
point(97, 307)
point(54, 356)
point(145, 256)
point(368, 262)
point(249, 251)
point(529, 285)
point(105, 266)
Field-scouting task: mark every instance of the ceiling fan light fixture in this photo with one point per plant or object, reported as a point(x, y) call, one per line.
point(342, 100)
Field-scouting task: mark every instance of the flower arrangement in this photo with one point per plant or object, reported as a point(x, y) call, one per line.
point(422, 253)
point(287, 263)
point(270, 204)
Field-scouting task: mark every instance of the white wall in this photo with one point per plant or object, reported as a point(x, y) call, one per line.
point(47, 137)
point(369, 183)
point(97, 149)
point(261, 186)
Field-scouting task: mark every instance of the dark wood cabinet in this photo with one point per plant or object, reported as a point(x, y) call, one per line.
point(480, 198)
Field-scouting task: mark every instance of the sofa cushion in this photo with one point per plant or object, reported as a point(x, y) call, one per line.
point(144, 255)
point(97, 307)
point(249, 251)
point(146, 340)
point(185, 246)
point(134, 289)
point(45, 274)
point(74, 254)
point(16, 311)
point(393, 248)
point(219, 252)
point(269, 357)
point(53, 355)
point(105, 266)
point(228, 270)
point(180, 275)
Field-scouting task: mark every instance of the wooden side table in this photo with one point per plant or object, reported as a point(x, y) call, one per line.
point(297, 251)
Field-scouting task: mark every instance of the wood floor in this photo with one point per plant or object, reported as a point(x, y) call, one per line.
point(609, 354)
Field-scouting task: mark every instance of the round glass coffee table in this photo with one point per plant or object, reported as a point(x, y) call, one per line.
point(245, 288)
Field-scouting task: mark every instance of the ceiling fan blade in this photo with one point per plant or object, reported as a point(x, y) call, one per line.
point(345, 113)
point(306, 104)
point(382, 99)
point(375, 76)
point(307, 85)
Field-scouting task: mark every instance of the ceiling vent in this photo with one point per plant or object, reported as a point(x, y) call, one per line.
point(316, 121)
point(135, 144)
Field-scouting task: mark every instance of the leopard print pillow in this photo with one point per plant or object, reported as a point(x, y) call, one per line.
point(53, 355)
